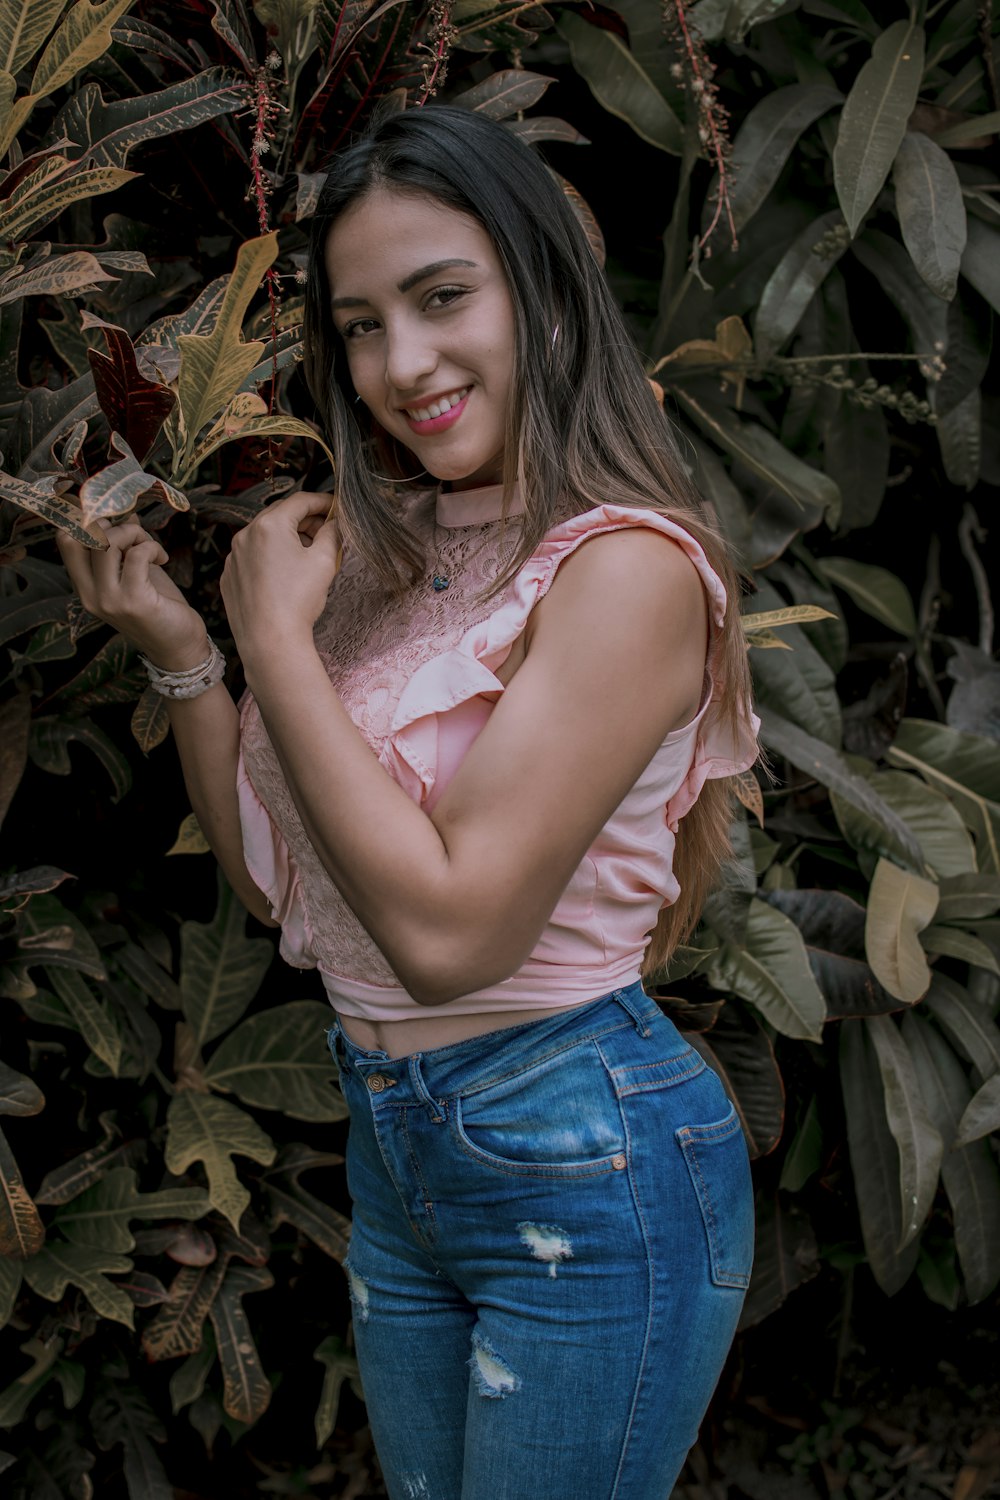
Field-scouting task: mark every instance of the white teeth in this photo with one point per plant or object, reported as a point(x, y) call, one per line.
point(438, 408)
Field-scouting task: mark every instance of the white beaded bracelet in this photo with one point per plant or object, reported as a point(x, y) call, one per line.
point(191, 683)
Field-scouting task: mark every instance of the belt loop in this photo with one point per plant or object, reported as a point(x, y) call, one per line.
point(629, 1004)
point(420, 1088)
point(332, 1033)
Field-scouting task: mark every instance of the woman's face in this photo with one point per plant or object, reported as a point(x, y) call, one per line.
point(421, 301)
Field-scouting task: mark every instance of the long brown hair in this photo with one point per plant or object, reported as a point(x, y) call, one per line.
point(582, 421)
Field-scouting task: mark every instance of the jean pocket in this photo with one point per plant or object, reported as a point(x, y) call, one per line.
point(716, 1157)
point(559, 1118)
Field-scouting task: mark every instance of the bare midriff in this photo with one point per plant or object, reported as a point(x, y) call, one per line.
point(425, 1033)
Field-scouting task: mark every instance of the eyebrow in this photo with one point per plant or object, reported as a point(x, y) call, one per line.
point(408, 282)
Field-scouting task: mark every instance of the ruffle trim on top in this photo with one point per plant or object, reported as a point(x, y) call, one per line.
point(410, 753)
point(273, 870)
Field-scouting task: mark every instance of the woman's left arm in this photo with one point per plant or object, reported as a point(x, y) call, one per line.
point(457, 899)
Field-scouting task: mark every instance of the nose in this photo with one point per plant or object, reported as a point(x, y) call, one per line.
point(410, 355)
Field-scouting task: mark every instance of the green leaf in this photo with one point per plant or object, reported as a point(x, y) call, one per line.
point(90, 1016)
point(22, 1232)
point(931, 211)
point(739, 1049)
point(18, 1094)
point(620, 84)
point(188, 1380)
point(247, 1390)
point(873, 120)
point(792, 284)
point(767, 138)
point(969, 1173)
point(221, 968)
point(84, 34)
point(504, 93)
point(214, 365)
point(967, 1022)
point(754, 446)
point(51, 738)
point(953, 942)
point(960, 438)
point(772, 971)
point(279, 425)
point(339, 1365)
point(100, 1216)
point(291, 1203)
point(873, 589)
point(203, 1128)
point(981, 1117)
point(104, 134)
point(945, 845)
point(279, 1060)
point(968, 896)
point(121, 1414)
point(963, 766)
point(785, 1257)
point(805, 1154)
point(72, 273)
point(917, 1138)
point(57, 1266)
point(10, 1286)
point(178, 1327)
point(43, 194)
point(833, 770)
point(874, 1157)
point(24, 25)
point(900, 906)
point(981, 261)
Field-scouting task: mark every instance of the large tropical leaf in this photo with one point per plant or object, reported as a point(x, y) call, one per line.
point(917, 1138)
point(771, 970)
point(134, 406)
point(59, 1265)
point(874, 118)
point(203, 1128)
point(945, 845)
point(767, 138)
point(221, 968)
point(214, 365)
point(931, 211)
point(83, 35)
point(795, 280)
point(968, 1022)
point(91, 1016)
point(279, 1059)
point(969, 1174)
point(900, 906)
point(247, 1390)
point(291, 1203)
point(74, 273)
point(966, 768)
point(24, 25)
point(982, 1113)
point(178, 1327)
point(833, 930)
point(874, 1160)
point(786, 1255)
point(22, 1232)
point(740, 1051)
point(620, 83)
point(104, 134)
point(875, 590)
point(504, 93)
point(100, 1215)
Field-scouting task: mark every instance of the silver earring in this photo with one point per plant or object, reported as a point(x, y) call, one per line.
point(356, 400)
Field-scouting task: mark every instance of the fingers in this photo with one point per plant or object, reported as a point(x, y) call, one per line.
point(300, 504)
point(100, 576)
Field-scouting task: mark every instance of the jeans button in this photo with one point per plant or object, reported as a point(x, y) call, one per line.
point(376, 1083)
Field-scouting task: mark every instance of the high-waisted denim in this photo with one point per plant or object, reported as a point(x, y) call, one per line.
point(553, 1233)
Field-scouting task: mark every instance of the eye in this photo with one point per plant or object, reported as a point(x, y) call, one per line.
point(358, 326)
point(444, 296)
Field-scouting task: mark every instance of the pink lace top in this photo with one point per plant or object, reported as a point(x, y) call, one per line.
point(412, 673)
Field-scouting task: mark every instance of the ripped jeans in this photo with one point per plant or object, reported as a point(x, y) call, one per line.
point(553, 1233)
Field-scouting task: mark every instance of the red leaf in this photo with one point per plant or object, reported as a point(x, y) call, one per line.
point(134, 406)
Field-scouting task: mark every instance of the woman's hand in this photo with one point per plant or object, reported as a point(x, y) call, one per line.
point(124, 584)
point(279, 571)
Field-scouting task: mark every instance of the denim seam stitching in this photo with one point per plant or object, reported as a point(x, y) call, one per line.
point(598, 1167)
point(708, 1215)
point(536, 1062)
point(651, 1293)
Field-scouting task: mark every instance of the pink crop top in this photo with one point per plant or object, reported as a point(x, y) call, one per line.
point(412, 673)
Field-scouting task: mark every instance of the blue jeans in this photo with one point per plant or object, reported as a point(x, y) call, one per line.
point(553, 1233)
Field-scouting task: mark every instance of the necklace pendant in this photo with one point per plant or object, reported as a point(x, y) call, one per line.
point(440, 583)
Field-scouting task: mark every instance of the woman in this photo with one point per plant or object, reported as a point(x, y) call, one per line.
point(464, 761)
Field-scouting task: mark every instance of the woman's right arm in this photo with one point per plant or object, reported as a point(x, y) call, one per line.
point(124, 584)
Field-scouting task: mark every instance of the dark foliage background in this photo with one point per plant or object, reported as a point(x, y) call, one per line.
point(798, 205)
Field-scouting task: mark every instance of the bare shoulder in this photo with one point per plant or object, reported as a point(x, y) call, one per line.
point(645, 574)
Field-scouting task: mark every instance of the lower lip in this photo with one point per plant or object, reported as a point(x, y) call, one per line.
point(438, 424)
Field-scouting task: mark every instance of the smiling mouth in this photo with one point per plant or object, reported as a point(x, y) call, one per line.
point(438, 408)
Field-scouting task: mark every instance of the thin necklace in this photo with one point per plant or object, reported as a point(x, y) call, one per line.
point(440, 579)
